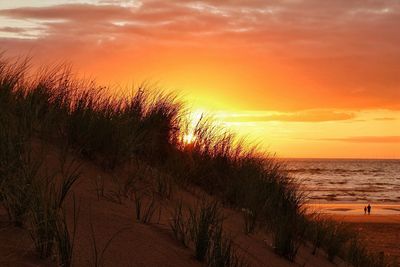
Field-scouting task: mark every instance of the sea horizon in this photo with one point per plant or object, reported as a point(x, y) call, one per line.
point(335, 158)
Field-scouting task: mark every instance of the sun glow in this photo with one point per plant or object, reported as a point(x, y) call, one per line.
point(189, 138)
point(282, 91)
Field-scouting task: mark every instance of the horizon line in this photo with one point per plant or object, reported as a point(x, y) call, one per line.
point(335, 158)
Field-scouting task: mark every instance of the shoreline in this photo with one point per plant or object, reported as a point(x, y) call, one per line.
point(380, 231)
point(354, 209)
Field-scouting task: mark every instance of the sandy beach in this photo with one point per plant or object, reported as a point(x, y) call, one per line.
point(378, 211)
point(380, 229)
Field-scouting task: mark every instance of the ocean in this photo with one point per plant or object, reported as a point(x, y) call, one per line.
point(347, 180)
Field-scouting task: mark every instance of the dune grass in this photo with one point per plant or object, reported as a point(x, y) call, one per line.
point(179, 224)
point(65, 238)
point(201, 228)
point(145, 207)
point(222, 251)
point(48, 226)
point(16, 189)
point(97, 259)
point(358, 255)
point(53, 106)
point(203, 221)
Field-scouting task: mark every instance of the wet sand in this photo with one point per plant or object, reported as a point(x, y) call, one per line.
point(357, 209)
point(380, 229)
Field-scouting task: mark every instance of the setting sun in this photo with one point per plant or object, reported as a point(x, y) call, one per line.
point(189, 138)
point(193, 119)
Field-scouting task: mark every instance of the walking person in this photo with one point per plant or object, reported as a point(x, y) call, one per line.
point(369, 209)
point(365, 209)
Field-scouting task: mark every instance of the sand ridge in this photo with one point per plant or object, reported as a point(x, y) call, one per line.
point(138, 244)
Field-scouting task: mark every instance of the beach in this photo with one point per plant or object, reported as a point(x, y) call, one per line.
point(378, 211)
point(340, 189)
point(380, 230)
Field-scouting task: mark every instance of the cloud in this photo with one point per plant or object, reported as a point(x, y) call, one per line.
point(300, 24)
point(343, 54)
point(366, 139)
point(12, 29)
point(385, 119)
point(301, 116)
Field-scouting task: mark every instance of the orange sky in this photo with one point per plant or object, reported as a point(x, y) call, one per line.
point(303, 78)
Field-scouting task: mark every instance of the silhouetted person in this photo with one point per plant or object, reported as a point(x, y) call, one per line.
point(369, 209)
point(365, 209)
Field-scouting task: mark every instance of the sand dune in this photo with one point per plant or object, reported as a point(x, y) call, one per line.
point(138, 244)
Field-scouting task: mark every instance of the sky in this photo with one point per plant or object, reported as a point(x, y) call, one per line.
point(300, 78)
